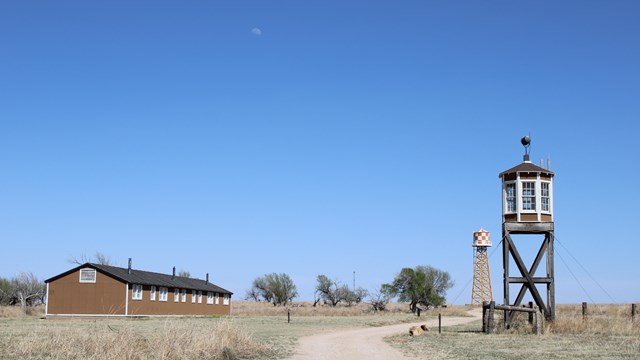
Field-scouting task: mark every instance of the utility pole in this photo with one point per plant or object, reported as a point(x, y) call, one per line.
point(354, 281)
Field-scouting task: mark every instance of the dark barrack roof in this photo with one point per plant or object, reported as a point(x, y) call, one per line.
point(148, 278)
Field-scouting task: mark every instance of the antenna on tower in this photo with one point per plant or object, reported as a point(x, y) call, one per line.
point(549, 162)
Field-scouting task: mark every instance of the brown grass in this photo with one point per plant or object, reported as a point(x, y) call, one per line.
point(169, 338)
point(256, 330)
point(252, 308)
point(600, 320)
point(607, 333)
point(16, 311)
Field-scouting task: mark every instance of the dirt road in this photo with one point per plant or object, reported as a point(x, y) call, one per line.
point(365, 343)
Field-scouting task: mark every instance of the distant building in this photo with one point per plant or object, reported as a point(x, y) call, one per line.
point(102, 290)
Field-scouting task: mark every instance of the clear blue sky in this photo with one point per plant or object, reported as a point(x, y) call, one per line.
point(241, 138)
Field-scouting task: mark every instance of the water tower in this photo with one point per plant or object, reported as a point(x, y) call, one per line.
point(527, 209)
point(481, 290)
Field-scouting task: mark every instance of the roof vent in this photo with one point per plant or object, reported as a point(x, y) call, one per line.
point(207, 281)
point(129, 269)
point(173, 277)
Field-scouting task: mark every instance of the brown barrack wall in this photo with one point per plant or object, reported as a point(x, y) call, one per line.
point(68, 296)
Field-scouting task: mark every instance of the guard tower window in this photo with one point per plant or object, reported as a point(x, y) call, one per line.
point(511, 197)
point(529, 195)
point(544, 192)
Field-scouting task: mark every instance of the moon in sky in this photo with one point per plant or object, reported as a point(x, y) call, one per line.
point(256, 31)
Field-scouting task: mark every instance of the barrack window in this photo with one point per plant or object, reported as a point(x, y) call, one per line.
point(163, 293)
point(137, 292)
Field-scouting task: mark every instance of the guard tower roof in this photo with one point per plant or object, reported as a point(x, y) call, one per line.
point(527, 167)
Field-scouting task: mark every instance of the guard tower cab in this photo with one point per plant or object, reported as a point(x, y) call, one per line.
point(527, 191)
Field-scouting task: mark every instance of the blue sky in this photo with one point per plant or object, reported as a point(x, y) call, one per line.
point(242, 138)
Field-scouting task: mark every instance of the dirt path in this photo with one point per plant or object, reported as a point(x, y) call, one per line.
point(365, 343)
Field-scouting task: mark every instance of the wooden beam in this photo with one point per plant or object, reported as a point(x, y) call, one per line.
point(515, 308)
point(532, 270)
point(525, 272)
point(537, 280)
point(551, 287)
point(505, 262)
point(528, 228)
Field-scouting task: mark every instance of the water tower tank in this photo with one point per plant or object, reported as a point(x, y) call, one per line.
point(481, 238)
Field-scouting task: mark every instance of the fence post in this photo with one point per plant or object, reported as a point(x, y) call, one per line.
point(439, 323)
point(537, 318)
point(584, 311)
point(288, 316)
point(531, 314)
point(490, 325)
point(634, 312)
point(485, 310)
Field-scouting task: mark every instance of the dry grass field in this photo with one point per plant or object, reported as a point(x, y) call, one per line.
point(607, 333)
point(255, 331)
point(30, 337)
point(261, 331)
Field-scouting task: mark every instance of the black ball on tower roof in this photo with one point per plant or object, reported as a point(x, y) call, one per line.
point(526, 141)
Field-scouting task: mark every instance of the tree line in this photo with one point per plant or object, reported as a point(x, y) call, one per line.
point(420, 286)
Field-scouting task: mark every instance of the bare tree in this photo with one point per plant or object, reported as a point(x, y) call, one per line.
point(260, 286)
point(252, 294)
point(331, 292)
point(184, 273)
point(79, 261)
point(360, 294)
point(379, 301)
point(351, 296)
point(100, 258)
point(28, 290)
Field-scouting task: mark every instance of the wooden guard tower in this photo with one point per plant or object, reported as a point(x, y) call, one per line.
point(527, 209)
